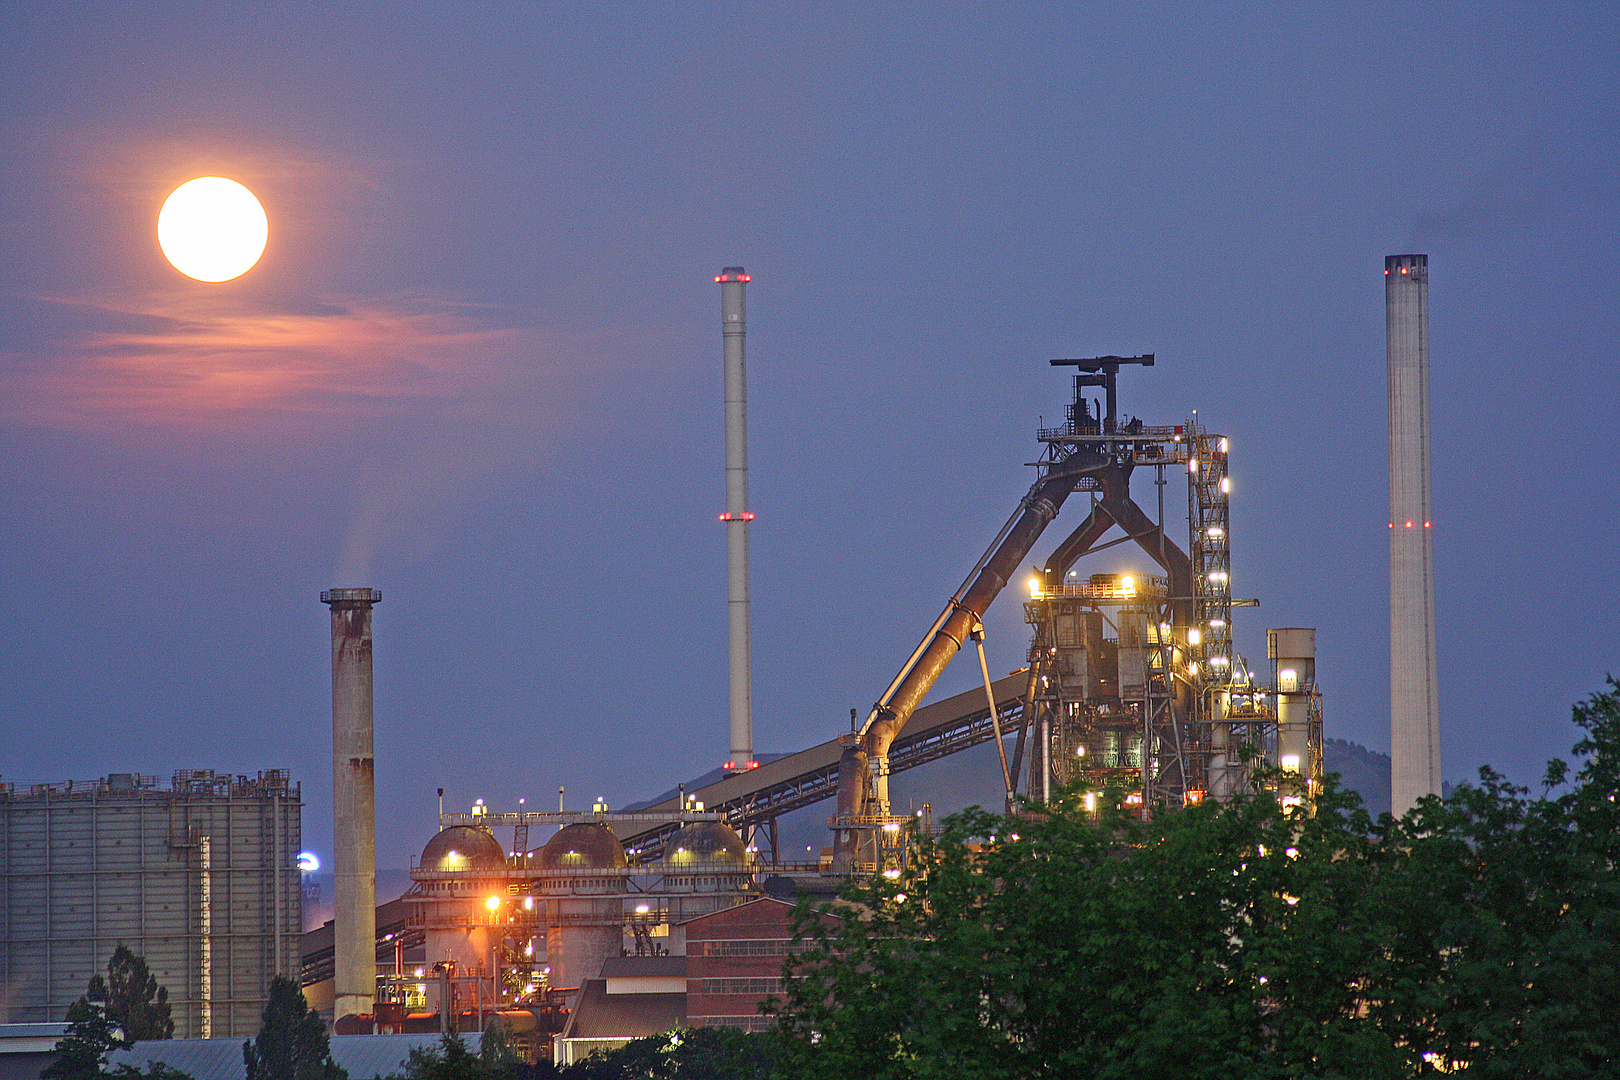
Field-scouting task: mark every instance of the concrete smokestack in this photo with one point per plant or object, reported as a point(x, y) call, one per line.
point(354, 923)
point(1414, 711)
point(734, 326)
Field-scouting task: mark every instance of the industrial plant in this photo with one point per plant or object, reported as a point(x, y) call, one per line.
point(583, 928)
point(577, 927)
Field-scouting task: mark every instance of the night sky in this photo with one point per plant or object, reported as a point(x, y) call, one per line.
point(479, 365)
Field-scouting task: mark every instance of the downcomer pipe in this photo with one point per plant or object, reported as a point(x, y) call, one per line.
point(1414, 711)
point(734, 326)
point(354, 829)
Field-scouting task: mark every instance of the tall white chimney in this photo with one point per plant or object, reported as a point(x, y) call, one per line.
point(734, 326)
point(1414, 711)
point(354, 827)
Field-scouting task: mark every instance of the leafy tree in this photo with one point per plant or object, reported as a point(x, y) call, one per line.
point(113, 1014)
point(1504, 917)
point(450, 1060)
point(91, 1035)
point(135, 1001)
point(690, 1054)
point(1480, 933)
point(453, 1060)
point(292, 1043)
point(497, 1054)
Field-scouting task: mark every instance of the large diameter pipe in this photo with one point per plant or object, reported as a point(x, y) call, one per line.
point(1040, 507)
point(354, 923)
point(734, 328)
point(1414, 710)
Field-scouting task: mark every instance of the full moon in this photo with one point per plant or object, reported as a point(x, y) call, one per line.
point(212, 229)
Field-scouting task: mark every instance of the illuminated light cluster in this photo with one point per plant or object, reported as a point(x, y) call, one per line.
point(1226, 485)
point(746, 515)
point(1218, 576)
point(1192, 465)
point(1219, 661)
point(727, 277)
point(1215, 532)
point(1224, 444)
point(1216, 624)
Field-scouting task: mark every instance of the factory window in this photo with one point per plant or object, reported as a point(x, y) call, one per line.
point(744, 1023)
point(743, 947)
point(735, 986)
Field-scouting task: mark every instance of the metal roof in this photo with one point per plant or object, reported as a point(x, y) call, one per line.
point(643, 967)
point(600, 1015)
point(363, 1056)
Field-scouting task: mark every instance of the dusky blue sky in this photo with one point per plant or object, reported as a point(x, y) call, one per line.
point(479, 365)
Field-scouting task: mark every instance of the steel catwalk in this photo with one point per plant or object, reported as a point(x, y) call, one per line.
point(1414, 713)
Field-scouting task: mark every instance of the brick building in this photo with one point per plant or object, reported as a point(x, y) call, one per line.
point(734, 962)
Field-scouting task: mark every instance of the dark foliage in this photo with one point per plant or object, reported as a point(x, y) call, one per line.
point(113, 1014)
point(292, 1043)
point(135, 1000)
point(1480, 935)
point(690, 1054)
point(452, 1060)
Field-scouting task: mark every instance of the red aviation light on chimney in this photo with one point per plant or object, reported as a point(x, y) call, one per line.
point(746, 515)
point(733, 277)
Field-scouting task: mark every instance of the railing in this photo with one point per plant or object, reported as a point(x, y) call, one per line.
point(1140, 433)
point(1154, 587)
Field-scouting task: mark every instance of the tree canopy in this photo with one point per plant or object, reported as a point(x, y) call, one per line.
point(292, 1043)
point(114, 1013)
point(135, 1000)
point(1477, 934)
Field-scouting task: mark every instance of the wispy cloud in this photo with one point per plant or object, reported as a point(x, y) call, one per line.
point(421, 405)
point(110, 366)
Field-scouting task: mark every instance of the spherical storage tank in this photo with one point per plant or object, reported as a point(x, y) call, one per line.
point(704, 844)
point(582, 846)
point(585, 911)
point(707, 868)
point(463, 847)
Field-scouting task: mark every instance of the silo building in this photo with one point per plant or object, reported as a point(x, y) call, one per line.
point(200, 877)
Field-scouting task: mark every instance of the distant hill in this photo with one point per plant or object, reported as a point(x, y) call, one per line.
point(1363, 771)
